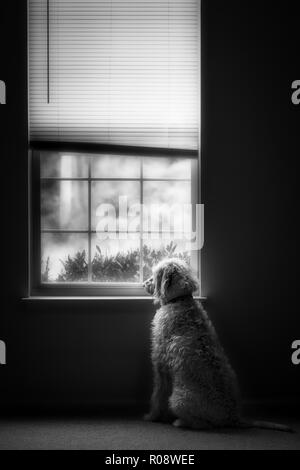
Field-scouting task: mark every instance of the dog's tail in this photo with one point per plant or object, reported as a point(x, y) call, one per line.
point(266, 425)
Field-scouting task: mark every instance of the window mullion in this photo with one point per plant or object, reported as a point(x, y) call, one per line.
point(90, 222)
point(141, 221)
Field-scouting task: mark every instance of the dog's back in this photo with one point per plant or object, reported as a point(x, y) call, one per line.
point(186, 342)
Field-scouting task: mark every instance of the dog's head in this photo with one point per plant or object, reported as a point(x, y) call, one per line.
point(171, 278)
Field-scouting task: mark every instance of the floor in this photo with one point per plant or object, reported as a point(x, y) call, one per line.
point(133, 434)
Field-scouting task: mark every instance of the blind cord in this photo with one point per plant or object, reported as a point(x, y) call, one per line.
point(48, 51)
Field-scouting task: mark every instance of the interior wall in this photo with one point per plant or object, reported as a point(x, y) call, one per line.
point(249, 155)
point(95, 352)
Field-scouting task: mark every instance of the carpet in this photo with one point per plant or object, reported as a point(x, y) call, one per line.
point(133, 434)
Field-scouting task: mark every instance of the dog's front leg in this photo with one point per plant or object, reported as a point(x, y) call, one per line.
point(159, 410)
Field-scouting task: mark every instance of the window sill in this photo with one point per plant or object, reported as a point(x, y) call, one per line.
point(91, 298)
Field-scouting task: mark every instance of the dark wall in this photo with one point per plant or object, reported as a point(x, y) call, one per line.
point(250, 148)
point(88, 352)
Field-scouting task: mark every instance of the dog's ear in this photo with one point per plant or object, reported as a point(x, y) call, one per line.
point(157, 280)
point(166, 281)
point(176, 281)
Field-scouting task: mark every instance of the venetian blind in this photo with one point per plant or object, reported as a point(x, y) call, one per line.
point(123, 72)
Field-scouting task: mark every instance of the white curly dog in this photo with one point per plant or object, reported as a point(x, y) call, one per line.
point(194, 383)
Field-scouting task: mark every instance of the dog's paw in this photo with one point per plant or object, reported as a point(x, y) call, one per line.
point(178, 423)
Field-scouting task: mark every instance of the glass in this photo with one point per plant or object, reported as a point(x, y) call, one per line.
point(64, 165)
point(115, 260)
point(156, 250)
point(169, 168)
point(64, 257)
point(111, 202)
point(114, 166)
point(167, 206)
point(64, 205)
point(115, 212)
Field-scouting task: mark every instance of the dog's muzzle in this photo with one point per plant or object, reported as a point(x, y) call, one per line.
point(149, 286)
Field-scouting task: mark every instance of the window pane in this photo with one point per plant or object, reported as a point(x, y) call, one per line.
point(115, 260)
point(171, 192)
point(113, 166)
point(170, 168)
point(55, 165)
point(109, 193)
point(156, 250)
point(64, 205)
point(166, 206)
point(64, 257)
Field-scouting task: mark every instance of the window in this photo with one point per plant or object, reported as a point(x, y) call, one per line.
point(105, 219)
point(114, 138)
